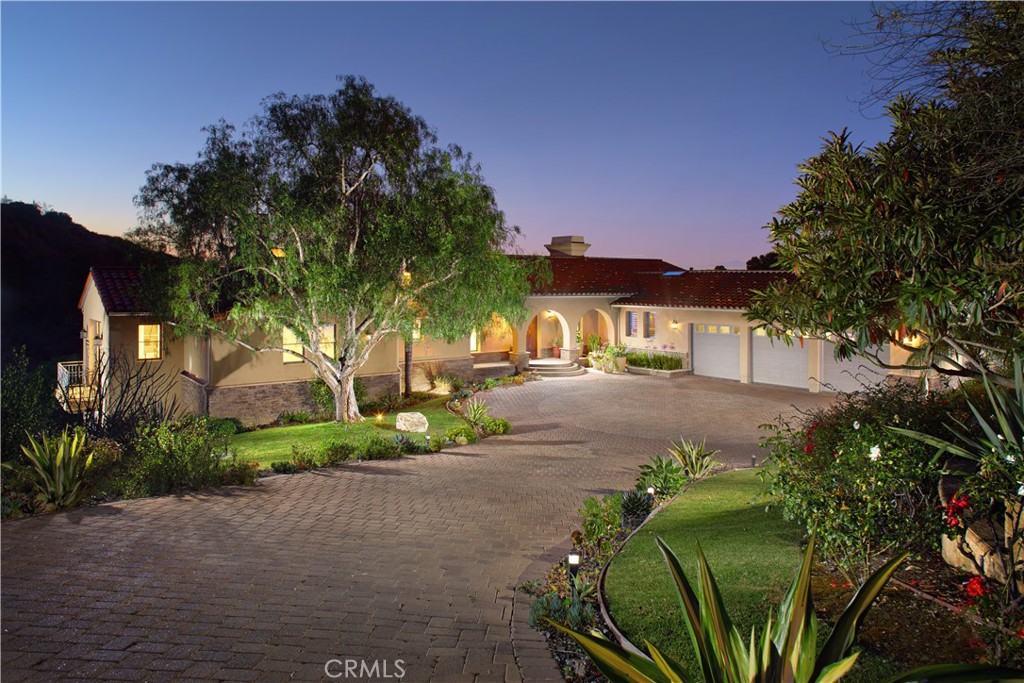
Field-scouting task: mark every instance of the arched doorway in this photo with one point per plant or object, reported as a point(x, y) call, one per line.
point(547, 331)
point(595, 325)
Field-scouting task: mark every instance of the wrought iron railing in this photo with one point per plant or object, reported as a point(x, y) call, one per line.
point(70, 374)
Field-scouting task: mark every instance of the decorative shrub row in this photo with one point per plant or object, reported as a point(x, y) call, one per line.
point(654, 361)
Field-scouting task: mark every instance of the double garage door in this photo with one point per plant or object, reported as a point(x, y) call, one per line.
point(716, 353)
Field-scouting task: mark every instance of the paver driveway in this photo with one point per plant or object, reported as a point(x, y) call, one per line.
point(412, 559)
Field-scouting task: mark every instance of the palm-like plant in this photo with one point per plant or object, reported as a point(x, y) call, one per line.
point(695, 458)
point(60, 466)
point(476, 411)
point(786, 651)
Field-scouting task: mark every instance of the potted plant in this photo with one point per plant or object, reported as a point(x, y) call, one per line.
point(556, 348)
point(617, 353)
point(593, 343)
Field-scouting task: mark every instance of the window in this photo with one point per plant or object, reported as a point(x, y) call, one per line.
point(631, 323)
point(291, 342)
point(761, 332)
point(699, 328)
point(728, 329)
point(149, 342)
point(474, 344)
point(712, 329)
point(648, 325)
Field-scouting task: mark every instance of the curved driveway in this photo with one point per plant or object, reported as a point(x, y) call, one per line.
point(411, 560)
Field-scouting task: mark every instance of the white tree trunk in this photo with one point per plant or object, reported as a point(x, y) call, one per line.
point(345, 407)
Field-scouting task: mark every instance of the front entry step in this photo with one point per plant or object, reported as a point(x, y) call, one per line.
point(550, 367)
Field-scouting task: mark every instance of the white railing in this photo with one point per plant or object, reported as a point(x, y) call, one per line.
point(70, 374)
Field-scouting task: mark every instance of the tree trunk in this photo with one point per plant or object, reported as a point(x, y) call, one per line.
point(408, 369)
point(345, 407)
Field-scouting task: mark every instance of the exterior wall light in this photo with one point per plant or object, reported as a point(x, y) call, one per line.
point(674, 325)
point(550, 314)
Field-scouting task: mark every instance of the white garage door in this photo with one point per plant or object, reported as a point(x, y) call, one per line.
point(775, 362)
point(854, 374)
point(716, 351)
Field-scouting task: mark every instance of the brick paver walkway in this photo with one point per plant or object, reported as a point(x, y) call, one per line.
point(413, 559)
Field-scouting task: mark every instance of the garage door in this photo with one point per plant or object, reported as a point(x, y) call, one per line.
point(775, 362)
point(716, 351)
point(854, 374)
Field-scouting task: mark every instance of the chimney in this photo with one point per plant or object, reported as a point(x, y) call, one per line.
point(567, 245)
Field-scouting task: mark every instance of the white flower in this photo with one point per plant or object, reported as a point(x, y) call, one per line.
point(1020, 491)
point(1010, 457)
point(856, 425)
point(875, 453)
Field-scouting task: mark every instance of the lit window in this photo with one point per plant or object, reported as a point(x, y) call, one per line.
point(149, 342)
point(712, 329)
point(648, 325)
point(327, 341)
point(631, 323)
point(417, 331)
point(727, 329)
point(698, 328)
point(291, 342)
point(761, 332)
point(474, 344)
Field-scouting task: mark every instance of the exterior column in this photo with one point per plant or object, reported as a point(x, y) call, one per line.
point(745, 355)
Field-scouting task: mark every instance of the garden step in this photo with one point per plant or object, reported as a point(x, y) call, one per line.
point(556, 368)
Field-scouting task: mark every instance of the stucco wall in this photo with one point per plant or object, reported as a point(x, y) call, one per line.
point(124, 340)
point(567, 313)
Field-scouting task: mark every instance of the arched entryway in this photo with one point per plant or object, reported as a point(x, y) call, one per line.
point(595, 326)
point(547, 331)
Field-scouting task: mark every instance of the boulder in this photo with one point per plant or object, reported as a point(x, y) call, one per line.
point(411, 422)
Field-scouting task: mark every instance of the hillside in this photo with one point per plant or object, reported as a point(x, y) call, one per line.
point(44, 260)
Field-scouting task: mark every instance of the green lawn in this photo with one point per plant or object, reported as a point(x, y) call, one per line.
point(275, 443)
point(753, 554)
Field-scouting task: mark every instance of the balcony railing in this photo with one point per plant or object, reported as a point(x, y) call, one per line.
point(75, 389)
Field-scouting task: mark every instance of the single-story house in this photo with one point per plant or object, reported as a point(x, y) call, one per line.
point(645, 304)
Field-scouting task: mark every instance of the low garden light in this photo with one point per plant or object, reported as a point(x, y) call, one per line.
point(753, 461)
point(650, 491)
point(574, 563)
point(380, 416)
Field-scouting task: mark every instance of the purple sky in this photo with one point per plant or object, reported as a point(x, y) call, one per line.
point(668, 130)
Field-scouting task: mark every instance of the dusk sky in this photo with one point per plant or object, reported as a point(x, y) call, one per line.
point(669, 130)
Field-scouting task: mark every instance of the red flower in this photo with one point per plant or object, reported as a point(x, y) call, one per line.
point(976, 587)
point(1020, 633)
point(959, 503)
point(809, 448)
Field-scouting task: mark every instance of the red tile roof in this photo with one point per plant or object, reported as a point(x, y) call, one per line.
point(595, 276)
point(703, 288)
point(119, 288)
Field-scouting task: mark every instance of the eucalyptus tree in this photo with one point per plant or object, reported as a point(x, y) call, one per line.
point(337, 209)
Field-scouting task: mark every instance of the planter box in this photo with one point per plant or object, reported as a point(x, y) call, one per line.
point(666, 374)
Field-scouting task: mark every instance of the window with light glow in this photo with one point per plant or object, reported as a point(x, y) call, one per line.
point(291, 342)
point(328, 341)
point(474, 342)
point(149, 342)
point(631, 323)
point(649, 327)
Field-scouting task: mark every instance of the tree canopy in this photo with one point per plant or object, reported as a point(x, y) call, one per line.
point(918, 240)
point(336, 209)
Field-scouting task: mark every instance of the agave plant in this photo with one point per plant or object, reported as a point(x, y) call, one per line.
point(476, 411)
point(786, 651)
point(695, 458)
point(60, 467)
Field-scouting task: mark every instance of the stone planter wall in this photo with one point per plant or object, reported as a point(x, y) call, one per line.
point(664, 374)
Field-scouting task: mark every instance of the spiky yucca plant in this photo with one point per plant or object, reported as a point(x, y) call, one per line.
point(60, 466)
point(695, 458)
point(786, 651)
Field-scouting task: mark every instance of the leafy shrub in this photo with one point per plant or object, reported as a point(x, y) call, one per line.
point(448, 383)
point(461, 394)
point(654, 361)
point(593, 343)
point(173, 456)
point(664, 474)
point(379, 448)
point(224, 426)
point(580, 616)
point(60, 466)
point(476, 411)
point(495, 425)
point(332, 453)
point(864, 489)
point(602, 521)
point(106, 456)
point(27, 404)
point(435, 442)
point(284, 467)
point(636, 505)
point(410, 446)
point(695, 458)
point(18, 489)
point(236, 472)
point(461, 434)
point(304, 457)
point(323, 397)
